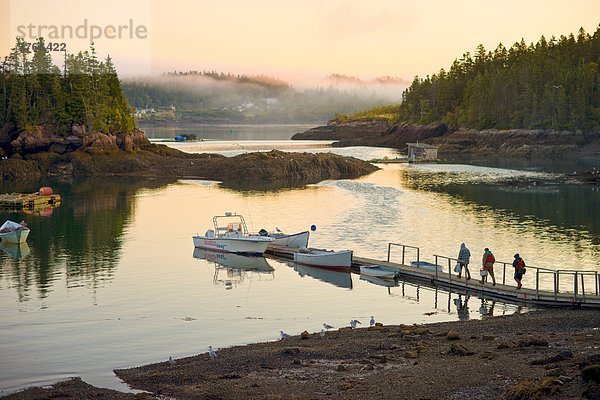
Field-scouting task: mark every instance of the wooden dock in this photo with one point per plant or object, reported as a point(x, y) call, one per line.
point(33, 201)
point(543, 287)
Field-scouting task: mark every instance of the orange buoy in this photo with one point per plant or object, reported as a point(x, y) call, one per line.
point(46, 191)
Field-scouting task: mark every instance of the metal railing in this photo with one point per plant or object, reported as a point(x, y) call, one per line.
point(404, 247)
point(578, 284)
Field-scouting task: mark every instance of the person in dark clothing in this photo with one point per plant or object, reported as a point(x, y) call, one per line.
point(464, 255)
point(519, 266)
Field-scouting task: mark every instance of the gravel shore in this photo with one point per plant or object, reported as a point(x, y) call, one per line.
point(547, 354)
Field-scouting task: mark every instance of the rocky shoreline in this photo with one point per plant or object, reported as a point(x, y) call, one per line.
point(546, 354)
point(538, 143)
point(42, 153)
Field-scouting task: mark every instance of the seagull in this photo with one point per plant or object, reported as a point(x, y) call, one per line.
point(322, 334)
point(372, 321)
point(327, 326)
point(212, 353)
point(284, 335)
point(354, 322)
point(171, 361)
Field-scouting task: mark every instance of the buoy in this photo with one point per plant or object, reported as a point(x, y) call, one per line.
point(313, 228)
point(46, 191)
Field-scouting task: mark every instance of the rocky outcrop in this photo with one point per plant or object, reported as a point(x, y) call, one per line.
point(506, 143)
point(49, 138)
point(272, 169)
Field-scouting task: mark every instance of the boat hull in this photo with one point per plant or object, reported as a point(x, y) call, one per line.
point(295, 240)
point(15, 237)
point(325, 259)
point(250, 246)
point(377, 272)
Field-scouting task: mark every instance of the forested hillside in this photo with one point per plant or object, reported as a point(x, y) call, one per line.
point(552, 84)
point(35, 92)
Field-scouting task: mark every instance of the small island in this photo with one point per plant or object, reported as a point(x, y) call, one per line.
point(77, 122)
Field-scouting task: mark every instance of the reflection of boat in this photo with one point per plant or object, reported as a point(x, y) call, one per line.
point(321, 258)
point(231, 235)
point(426, 265)
point(378, 281)
point(378, 271)
point(16, 250)
point(232, 269)
point(341, 279)
point(13, 232)
point(234, 261)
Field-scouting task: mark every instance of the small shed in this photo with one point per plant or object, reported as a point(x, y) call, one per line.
point(421, 152)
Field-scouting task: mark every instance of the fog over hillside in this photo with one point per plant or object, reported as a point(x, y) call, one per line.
point(210, 96)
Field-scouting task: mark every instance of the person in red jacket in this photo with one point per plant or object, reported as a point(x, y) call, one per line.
point(487, 262)
point(519, 266)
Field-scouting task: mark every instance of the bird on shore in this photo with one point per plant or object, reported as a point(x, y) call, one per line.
point(278, 230)
point(328, 327)
point(322, 334)
point(171, 361)
point(372, 321)
point(212, 353)
point(354, 322)
point(283, 335)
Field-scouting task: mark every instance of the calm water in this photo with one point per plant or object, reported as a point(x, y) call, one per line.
point(111, 278)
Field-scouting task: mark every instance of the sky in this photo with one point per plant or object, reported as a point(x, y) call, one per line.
point(301, 41)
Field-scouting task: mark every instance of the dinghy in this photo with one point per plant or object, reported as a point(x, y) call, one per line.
point(378, 271)
point(326, 259)
point(12, 232)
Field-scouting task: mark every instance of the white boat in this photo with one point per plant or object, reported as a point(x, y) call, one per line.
point(296, 240)
point(231, 236)
point(12, 232)
point(426, 265)
point(378, 271)
point(327, 259)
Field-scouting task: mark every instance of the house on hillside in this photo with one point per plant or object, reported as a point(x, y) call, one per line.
point(421, 152)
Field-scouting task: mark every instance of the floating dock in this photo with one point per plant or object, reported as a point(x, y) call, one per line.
point(541, 286)
point(33, 201)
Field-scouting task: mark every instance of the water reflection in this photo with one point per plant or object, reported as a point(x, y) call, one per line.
point(82, 239)
point(18, 251)
point(232, 269)
point(342, 279)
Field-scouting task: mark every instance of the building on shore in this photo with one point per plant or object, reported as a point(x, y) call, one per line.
point(421, 152)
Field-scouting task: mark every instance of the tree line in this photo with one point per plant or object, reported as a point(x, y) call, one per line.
point(552, 84)
point(34, 91)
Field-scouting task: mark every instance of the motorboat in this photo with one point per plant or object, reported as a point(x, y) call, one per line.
point(426, 265)
point(13, 232)
point(378, 271)
point(339, 278)
point(230, 235)
point(322, 258)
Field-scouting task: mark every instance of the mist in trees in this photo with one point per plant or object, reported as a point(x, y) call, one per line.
point(34, 91)
point(552, 84)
